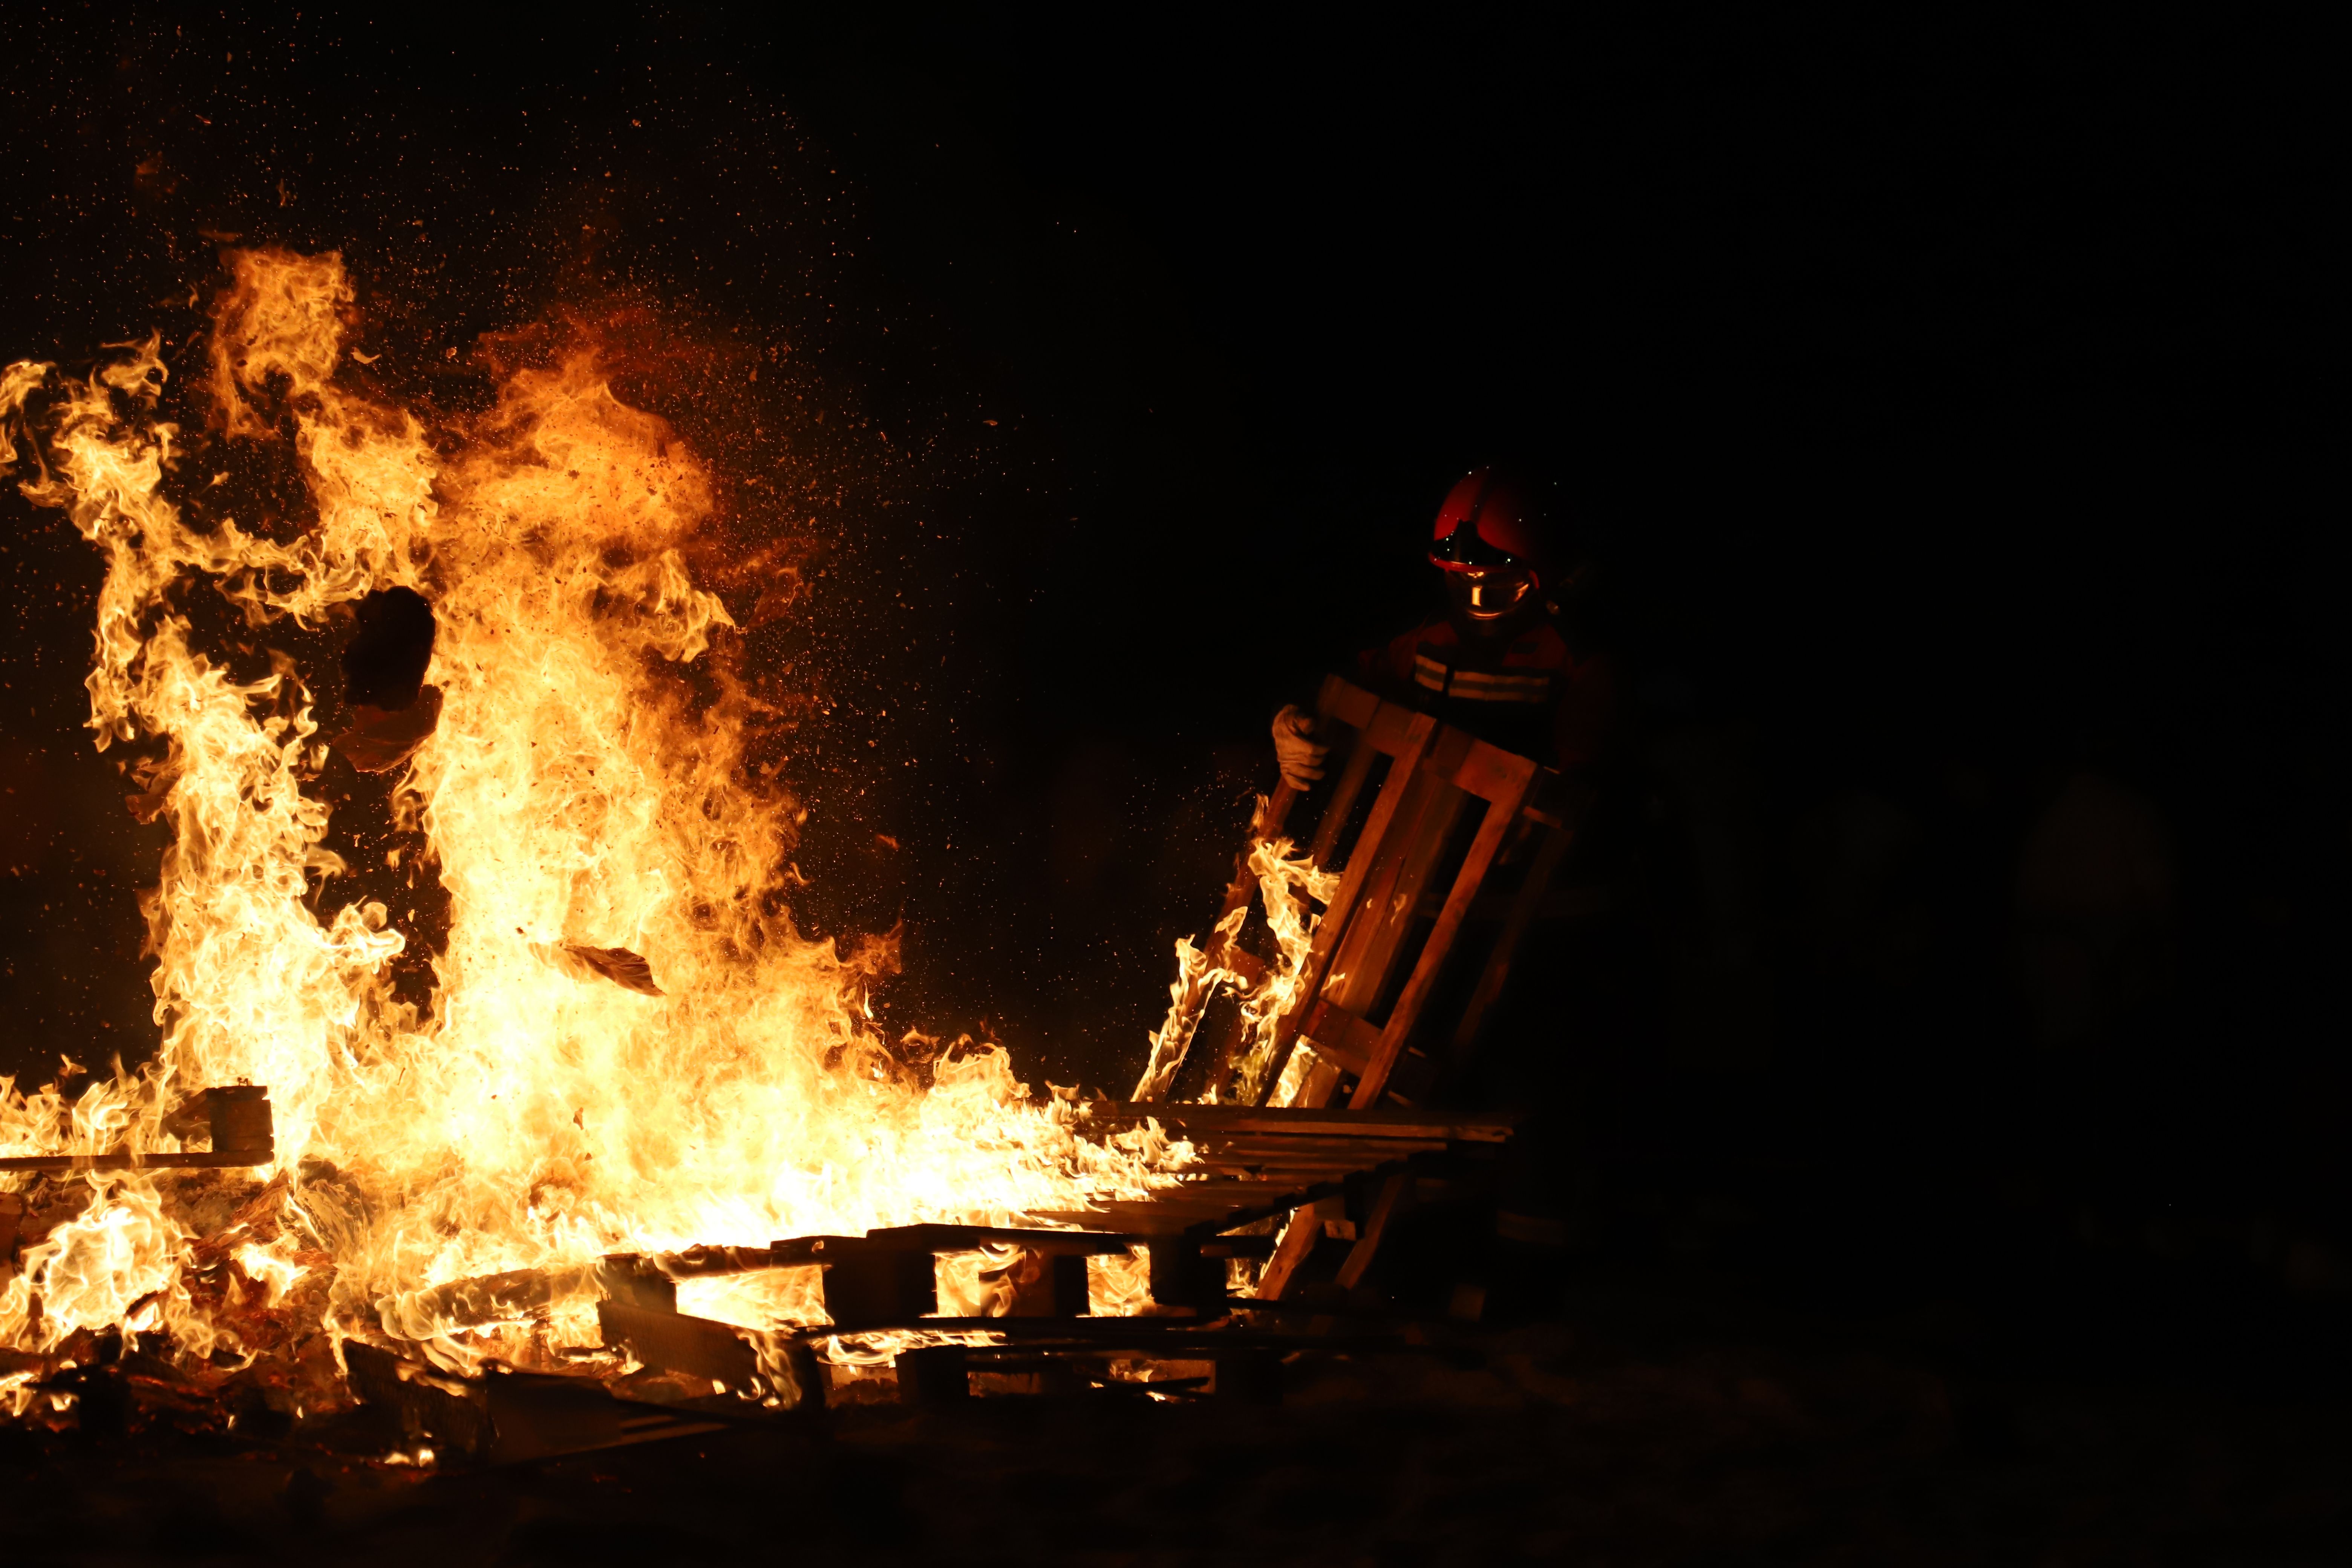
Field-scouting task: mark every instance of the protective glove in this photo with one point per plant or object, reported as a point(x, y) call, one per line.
point(1299, 758)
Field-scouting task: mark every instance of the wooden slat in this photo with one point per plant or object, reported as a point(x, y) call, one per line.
point(801, 1251)
point(1353, 774)
point(1333, 1121)
point(1380, 921)
point(1390, 729)
point(1368, 1241)
point(677, 1342)
point(1492, 774)
point(1339, 1149)
point(1339, 1034)
point(120, 1159)
point(1347, 702)
point(1419, 730)
point(1501, 815)
point(1304, 1229)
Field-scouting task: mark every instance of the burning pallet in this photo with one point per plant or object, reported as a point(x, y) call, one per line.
point(553, 1076)
point(1199, 1337)
point(1276, 1170)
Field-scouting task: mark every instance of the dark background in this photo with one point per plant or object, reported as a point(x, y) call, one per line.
point(1951, 407)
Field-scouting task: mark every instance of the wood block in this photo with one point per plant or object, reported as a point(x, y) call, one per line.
point(863, 1289)
point(676, 1342)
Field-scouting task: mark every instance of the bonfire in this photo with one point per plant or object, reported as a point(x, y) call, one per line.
point(626, 1047)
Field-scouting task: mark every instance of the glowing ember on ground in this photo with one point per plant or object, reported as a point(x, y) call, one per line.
point(581, 793)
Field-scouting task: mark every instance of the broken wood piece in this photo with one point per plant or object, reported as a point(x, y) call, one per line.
point(618, 964)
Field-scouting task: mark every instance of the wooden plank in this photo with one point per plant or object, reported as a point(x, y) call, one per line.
point(1353, 774)
point(1492, 773)
point(122, 1160)
point(1419, 732)
point(1368, 1240)
point(1353, 1159)
point(801, 1251)
point(1298, 1238)
point(1339, 1034)
point(1307, 1145)
point(236, 1118)
point(699, 1347)
point(1381, 731)
point(1347, 702)
point(1390, 729)
point(1252, 1201)
point(1382, 920)
point(1501, 815)
point(1336, 1121)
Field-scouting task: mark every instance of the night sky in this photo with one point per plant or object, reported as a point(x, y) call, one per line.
point(1953, 410)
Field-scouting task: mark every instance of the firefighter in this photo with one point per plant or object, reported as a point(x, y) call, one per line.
point(1509, 660)
point(1501, 661)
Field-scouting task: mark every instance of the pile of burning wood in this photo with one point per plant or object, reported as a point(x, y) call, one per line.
point(546, 1201)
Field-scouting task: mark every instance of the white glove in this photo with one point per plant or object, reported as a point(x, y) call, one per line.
point(1301, 759)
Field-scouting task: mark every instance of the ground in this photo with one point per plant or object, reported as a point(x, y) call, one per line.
point(1569, 1441)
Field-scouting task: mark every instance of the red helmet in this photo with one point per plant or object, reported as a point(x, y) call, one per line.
point(1488, 520)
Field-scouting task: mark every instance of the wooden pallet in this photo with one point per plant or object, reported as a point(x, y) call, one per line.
point(1448, 801)
point(1360, 1030)
point(1255, 1163)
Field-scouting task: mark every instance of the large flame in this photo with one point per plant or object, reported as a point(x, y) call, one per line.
point(580, 792)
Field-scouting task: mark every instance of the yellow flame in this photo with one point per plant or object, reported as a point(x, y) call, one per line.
point(575, 793)
point(1285, 882)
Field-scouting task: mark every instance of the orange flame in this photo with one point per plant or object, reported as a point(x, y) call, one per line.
point(1285, 884)
point(575, 796)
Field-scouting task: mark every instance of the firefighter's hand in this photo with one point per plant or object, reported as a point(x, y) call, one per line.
point(1300, 757)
